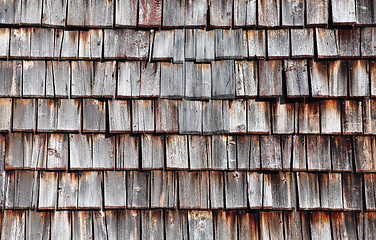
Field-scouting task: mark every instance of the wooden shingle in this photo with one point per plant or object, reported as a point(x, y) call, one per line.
point(317, 12)
point(93, 116)
point(143, 119)
point(236, 190)
point(345, 13)
point(150, 80)
point(330, 112)
point(225, 225)
point(163, 189)
point(255, 189)
point(127, 152)
point(258, 113)
point(10, 78)
point(302, 43)
point(42, 43)
point(198, 81)
point(81, 151)
point(319, 78)
point(33, 78)
point(172, 80)
point(119, 116)
point(173, 14)
point(57, 151)
point(248, 152)
point(338, 78)
point(89, 190)
point(342, 153)
point(190, 44)
point(230, 44)
point(101, 13)
point(5, 117)
point(271, 158)
point(68, 45)
point(269, 13)
point(352, 120)
point(152, 151)
point(13, 224)
point(320, 225)
point(194, 190)
point(128, 79)
point(296, 72)
point(349, 42)
point(126, 13)
point(163, 45)
point(292, 13)
point(369, 117)
point(237, 115)
point(309, 118)
point(199, 152)
point(38, 225)
point(283, 117)
point(82, 222)
point(217, 200)
point(103, 150)
point(344, 225)
point(205, 47)
point(200, 224)
point(331, 194)
point(58, 79)
point(256, 43)
point(271, 225)
point(352, 191)
point(299, 153)
point(223, 79)
point(179, 44)
point(220, 158)
point(370, 187)
point(176, 224)
point(220, 13)
point(61, 225)
point(278, 191)
point(152, 224)
point(308, 189)
point(150, 13)
point(327, 43)
point(359, 78)
point(214, 115)
point(20, 43)
point(177, 152)
point(90, 44)
point(138, 189)
point(246, 78)
point(166, 116)
point(114, 189)
point(190, 117)
point(4, 42)
point(270, 78)
point(47, 190)
point(25, 109)
point(278, 43)
point(67, 195)
point(367, 41)
point(363, 147)
point(54, 13)
point(196, 13)
point(318, 153)
point(245, 13)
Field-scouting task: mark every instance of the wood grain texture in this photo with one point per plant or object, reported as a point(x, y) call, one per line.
point(327, 43)
point(369, 117)
point(349, 43)
point(54, 13)
point(103, 152)
point(61, 225)
point(318, 153)
point(330, 112)
point(225, 225)
point(199, 152)
point(38, 225)
point(13, 225)
point(126, 13)
point(89, 190)
point(235, 190)
point(163, 45)
point(190, 117)
point(368, 41)
point(163, 189)
point(57, 151)
point(166, 116)
point(205, 48)
point(11, 78)
point(338, 78)
point(344, 13)
point(194, 190)
point(270, 78)
point(283, 117)
point(33, 78)
point(342, 153)
point(200, 225)
point(331, 193)
point(296, 72)
point(363, 154)
point(320, 225)
point(48, 183)
point(256, 43)
point(352, 120)
point(292, 13)
point(359, 78)
point(237, 116)
point(25, 109)
point(68, 185)
point(172, 80)
point(114, 189)
point(271, 225)
point(143, 119)
point(245, 13)
point(20, 43)
point(271, 158)
point(278, 43)
point(214, 120)
point(93, 116)
point(138, 189)
point(319, 74)
point(220, 13)
point(317, 12)
point(150, 13)
point(248, 152)
point(177, 152)
point(269, 13)
point(369, 183)
point(230, 44)
point(352, 191)
point(42, 43)
point(224, 74)
point(308, 189)
point(5, 117)
point(127, 152)
point(246, 78)
point(90, 43)
point(58, 79)
point(302, 43)
point(198, 81)
point(119, 116)
point(309, 118)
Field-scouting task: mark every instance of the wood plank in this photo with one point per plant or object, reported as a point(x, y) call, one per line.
point(258, 113)
point(370, 191)
point(103, 150)
point(99, 225)
point(150, 13)
point(10, 78)
point(320, 225)
point(37, 154)
point(177, 152)
point(82, 78)
point(82, 222)
point(367, 41)
point(369, 116)
point(270, 78)
point(80, 151)
point(244, 13)
point(271, 225)
point(163, 189)
point(309, 118)
point(349, 42)
point(224, 74)
point(190, 44)
point(330, 116)
point(278, 43)
point(196, 13)
point(269, 13)
point(248, 224)
point(278, 191)
point(342, 153)
point(152, 224)
point(58, 76)
point(173, 14)
point(271, 158)
point(364, 12)
point(152, 151)
point(57, 151)
point(176, 224)
point(308, 190)
point(256, 43)
point(119, 116)
point(54, 13)
point(69, 45)
point(103, 84)
point(127, 152)
point(129, 79)
point(163, 45)
point(31, 17)
point(344, 225)
point(317, 12)
point(26, 190)
point(4, 42)
point(101, 14)
point(220, 13)
point(16, 143)
point(128, 224)
point(172, 80)
point(246, 78)
point(318, 153)
point(369, 225)
point(90, 43)
point(237, 116)
point(219, 159)
point(217, 199)
point(42, 43)
point(20, 43)
point(126, 13)
point(5, 117)
point(283, 117)
point(327, 43)
point(25, 110)
point(292, 13)
point(225, 225)
point(204, 45)
point(248, 152)
point(190, 117)
point(352, 191)
point(13, 225)
point(61, 225)
point(294, 226)
point(235, 190)
point(319, 78)
point(38, 225)
point(344, 14)
point(143, 119)
point(200, 225)
point(230, 44)
point(137, 45)
point(68, 189)
point(338, 78)
point(47, 115)
point(114, 189)
point(287, 152)
point(359, 78)
point(138, 189)
point(296, 72)
point(302, 43)
point(363, 154)
point(33, 78)
point(117, 37)
point(197, 81)
point(150, 80)
point(47, 190)
point(93, 116)
point(331, 194)
point(89, 190)
point(166, 116)
point(199, 152)
point(10, 12)
point(352, 117)
point(214, 120)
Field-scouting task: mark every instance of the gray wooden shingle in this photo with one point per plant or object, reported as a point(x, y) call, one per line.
point(58, 79)
point(338, 75)
point(138, 189)
point(13, 225)
point(152, 151)
point(196, 13)
point(330, 113)
point(225, 225)
point(220, 157)
point(33, 78)
point(200, 225)
point(104, 80)
point(47, 190)
point(82, 222)
point(163, 45)
point(308, 189)
point(292, 13)
point(363, 154)
point(205, 47)
point(309, 117)
point(82, 78)
point(90, 14)
point(270, 78)
point(93, 116)
point(296, 72)
point(198, 81)
point(61, 225)
point(10, 12)
point(190, 117)
point(255, 188)
point(317, 12)
point(344, 13)
point(269, 13)
point(248, 152)
point(10, 78)
point(370, 187)
point(271, 225)
point(114, 189)
point(237, 115)
point(177, 152)
point(42, 43)
point(119, 38)
point(127, 152)
point(278, 43)
point(20, 43)
point(302, 43)
point(5, 117)
point(320, 225)
point(172, 80)
point(199, 152)
point(25, 110)
point(176, 224)
point(89, 190)
point(152, 224)
point(278, 191)
point(244, 13)
point(143, 119)
point(173, 14)
point(352, 120)
point(299, 153)
point(283, 117)
point(342, 153)
point(119, 116)
point(246, 78)
point(349, 42)
point(68, 190)
point(103, 150)
point(69, 45)
point(236, 190)
point(126, 13)
point(4, 42)
point(223, 79)
point(150, 80)
point(352, 191)
point(271, 158)
point(57, 151)
point(256, 43)
point(38, 225)
point(368, 41)
point(318, 153)
point(230, 44)
point(166, 116)
point(80, 151)
point(28, 17)
point(248, 224)
point(359, 78)
point(344, 225)
point(179, 44)
point(90, 43)
point(327, 43)
point(150, 13)
point(331, 195)
point(369, 117)
point(214, 115)
point(54, 13)
point(220, 13)
point(217, 200)
point(365, 12)
point(319, 78)
point(128, 79)
point(163, 189)
point(21, 190)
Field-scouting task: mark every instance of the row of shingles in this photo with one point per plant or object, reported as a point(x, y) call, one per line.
point(190, 44)
point(189, 190)
point(182, 152)
point(226, 79)
point(237, 13)
point(192, 224)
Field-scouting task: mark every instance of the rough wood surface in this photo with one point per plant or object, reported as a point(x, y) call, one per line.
point(283, 117)
point(68, 187)
point(176, 223)
point(319, 78)
point(271, 158)
point(143, 119)
point(320, 225)
point(235, 190)
point(47, 190)
point(200, 225)
point(359, 78)
point(5, 117)
point(150, 13)
point(138, 189)
point(152, 151)
point(205, 47)
point(119, 116)
point(199, 152)
point(327, 43)
point(58, 78)
point(25, 109)
point(213, 113)
point(331, 194)
point(317, 12)
point(308, 189)
point(89, 190)
point(344, 13)
point(245, 13)
point(224, 74)
point(309, 118)
point(338, 78)
point(230, 44)
point(177, 152)
point(271, 225)
point(225, 225)
point(93, 116)
point(172, 80)
point(278, 43)
point(126, 13)
point(127, 152)
point(11, 78)
point(270, 78)
point(318, 153)
point(190, 117)
point(114, 189)
point(292, 13)
point(246, 78)
point(349, 43)
point(269, 13)
point(13, 225)
point(103, 150)
point(342, 153)
point(237, 116)
point(220, 13)
point(217, 200)
point(302, 43)
point(166, 116)
point(33, 76)
point(163, 189)
point(330, 111)
point(296, 72)
point(90, 44)
point(198, 81)
point(352, 120)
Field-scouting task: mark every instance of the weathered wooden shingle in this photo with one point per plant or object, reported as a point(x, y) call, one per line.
point(318, 153)
point(319, 75)
point(271, 158)
point(364, 158)
point(89, 190)
point(271, 225)
point(194, 190)
point(13, 224)
point(369, 117)
point(90, 14)
point(47, 190)
point(256, 43)
point(11, 78)
point(198, 80)
point(119, 116)
point(320, 225)
point(42, 43)
point(278, 43)
point(283, 117)
point(138, 189)
point(143, 119)
point(152, 151)
point(199, 152)
point(270, 78)
point(54, 13)
point(214, 115)
point(338, 75)
point(308, 189)
point(200, 225)
point(292, 13)
point(331, 194)
point(166, 116)
point(58, 79)
point(38, 225)
point(126, 13)
point(4, 42)
point(163, 45)
point(190, 117)
point(93, 116)
point(370, 187)
point(349, 42)
point(114, 189)
point(317, 12)
point(269, 13)
point(244, 13)
point(177, 152)
point(68, 190)
point(246, 78)
point(278, 191)
point(330, 113)
point(81, 151)
point(230, 44)
point(309, 117)
point(302, 43)
point(297, 83)
point(225, 225)
point(172, 80)
point(82, 222)
point(359, 78)
point(57, 151)
point(223, 79)
point(367, 41)
point(342, 153)
point(205, 45)
point(352, 120)
point(236, 190)
point(20, 43)
point(344, 12)
point(220, 13)
point(163, 186)
point(33, 78)
point(327, 43)
point(5, 117)
point(61, 225)
point(127, 152)
point(68, 45)
point(150, 13)
point(25, 110)
point(90, 44)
